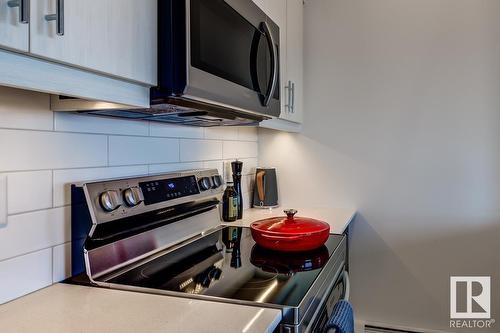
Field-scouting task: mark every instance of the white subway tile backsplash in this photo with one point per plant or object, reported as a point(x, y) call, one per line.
point(64, 178)
point(199, 150)
point(247, 183)
point(70, 122)
point(247, 200)
point(29, 191)
point(43, 152)
point(236, 149)
point(219, 165)
point(221, 133)
point(125, 150)
point(34, 231)
point(3, 200)
point(61, 266)
point(32, 150)
point(249, 165)
point(25, 274)
point(175, 131)
point(24, 109)
point(248, 134)
point(159, 168)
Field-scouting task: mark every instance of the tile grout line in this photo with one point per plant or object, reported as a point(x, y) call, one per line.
point(52, 189)
point(147, 135)
point(107, 151)
point(32, 252)
point(103, 166)
point(36, 210)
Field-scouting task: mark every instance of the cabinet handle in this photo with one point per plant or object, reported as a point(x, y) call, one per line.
point(293, 97)
point(24, 9)
point(288, 105)
point(58, 17)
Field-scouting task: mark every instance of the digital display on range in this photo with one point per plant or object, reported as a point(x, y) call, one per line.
point(168, 189)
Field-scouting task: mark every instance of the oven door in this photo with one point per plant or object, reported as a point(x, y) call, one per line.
point(232, 52)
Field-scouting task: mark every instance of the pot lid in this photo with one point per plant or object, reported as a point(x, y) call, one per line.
point(290, 225)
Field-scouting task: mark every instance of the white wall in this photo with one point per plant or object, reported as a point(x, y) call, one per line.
point(402, 121)
point(42, 152)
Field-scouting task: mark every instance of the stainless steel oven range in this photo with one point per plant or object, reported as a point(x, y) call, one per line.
point(162, 234)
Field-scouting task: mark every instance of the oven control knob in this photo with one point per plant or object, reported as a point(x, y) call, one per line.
point(109, 200)
point(204, 183)
point(133, 196)
point(217, 181)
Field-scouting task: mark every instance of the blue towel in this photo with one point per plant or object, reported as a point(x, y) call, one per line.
point(342, 318)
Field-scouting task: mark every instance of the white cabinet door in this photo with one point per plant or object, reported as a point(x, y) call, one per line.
point(116, 37)
point(276, 10)
point(294, 61)
point(13, 34)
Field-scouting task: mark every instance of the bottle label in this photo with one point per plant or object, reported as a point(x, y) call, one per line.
point(233, 207)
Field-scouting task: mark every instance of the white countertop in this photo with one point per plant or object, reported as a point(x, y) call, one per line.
point(63, 308)
point(338, 218)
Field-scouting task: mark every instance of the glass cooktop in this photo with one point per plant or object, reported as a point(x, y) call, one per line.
point(228, 264)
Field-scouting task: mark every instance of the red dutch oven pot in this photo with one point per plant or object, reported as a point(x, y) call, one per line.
point(290, 233)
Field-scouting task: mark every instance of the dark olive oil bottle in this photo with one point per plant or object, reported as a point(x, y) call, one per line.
point(230, 204)
point(237, 168)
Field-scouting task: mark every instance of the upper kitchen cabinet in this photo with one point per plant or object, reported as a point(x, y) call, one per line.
point(294, 61)
point(14, 25)
point(114, 37)
point(289, 16)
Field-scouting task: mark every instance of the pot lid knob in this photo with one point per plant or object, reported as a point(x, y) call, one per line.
point(290, 213)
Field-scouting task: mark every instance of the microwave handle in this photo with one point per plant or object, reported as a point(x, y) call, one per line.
point(274, 64)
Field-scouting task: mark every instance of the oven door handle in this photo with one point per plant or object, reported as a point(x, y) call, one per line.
point(274, 64)
point(347, 291)
point(347, 285)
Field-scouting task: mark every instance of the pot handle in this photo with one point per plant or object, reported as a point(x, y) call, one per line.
point(290, 213)
point(282, 238)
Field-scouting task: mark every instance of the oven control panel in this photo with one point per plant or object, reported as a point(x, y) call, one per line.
point(168, 189)
point(118, 198)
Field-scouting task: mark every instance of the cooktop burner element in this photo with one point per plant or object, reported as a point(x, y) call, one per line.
point(205, 267)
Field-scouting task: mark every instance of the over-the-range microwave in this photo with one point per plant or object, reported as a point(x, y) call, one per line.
point(218, 64)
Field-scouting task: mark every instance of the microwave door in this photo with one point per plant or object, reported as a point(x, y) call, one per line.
point(230, 58)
